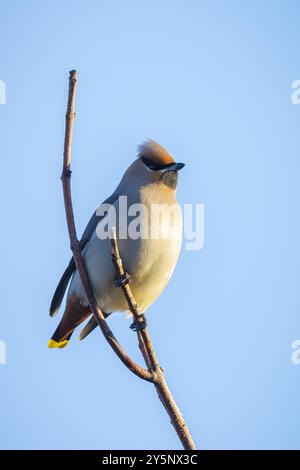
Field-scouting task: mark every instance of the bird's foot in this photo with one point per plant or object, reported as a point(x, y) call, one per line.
point(121, 281)
point(140, 324)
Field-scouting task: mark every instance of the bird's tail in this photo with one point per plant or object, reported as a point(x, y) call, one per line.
point(52, 343)
point(75, 313)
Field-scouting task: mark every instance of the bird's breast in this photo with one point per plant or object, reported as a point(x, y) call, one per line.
point(151, 258)
point(149, 253)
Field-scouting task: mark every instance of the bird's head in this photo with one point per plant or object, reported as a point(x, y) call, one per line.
point(155, 165)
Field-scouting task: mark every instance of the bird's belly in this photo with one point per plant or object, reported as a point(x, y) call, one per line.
point(152, 270)
point(150, 263)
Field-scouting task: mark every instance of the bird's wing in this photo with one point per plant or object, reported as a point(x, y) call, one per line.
point(61, 288)
point(65, 279)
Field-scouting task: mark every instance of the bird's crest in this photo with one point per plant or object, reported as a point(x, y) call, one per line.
point(155, 152)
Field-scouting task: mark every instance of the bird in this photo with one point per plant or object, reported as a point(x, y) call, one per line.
point(149, 257)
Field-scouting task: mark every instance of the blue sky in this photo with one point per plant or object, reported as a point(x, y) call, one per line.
point(211, 81)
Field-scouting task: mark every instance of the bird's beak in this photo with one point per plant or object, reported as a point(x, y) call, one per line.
point(175, 167)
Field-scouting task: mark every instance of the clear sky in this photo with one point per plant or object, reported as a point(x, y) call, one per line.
point(211, 81)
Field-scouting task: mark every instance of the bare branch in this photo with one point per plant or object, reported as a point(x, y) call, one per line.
point(75, 245)
point(154, 373)
point(149, 355)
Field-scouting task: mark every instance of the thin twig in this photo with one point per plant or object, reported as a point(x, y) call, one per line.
point(148, 352)
point(75, 244)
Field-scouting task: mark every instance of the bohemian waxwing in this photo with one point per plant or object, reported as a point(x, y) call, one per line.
point(149, 248)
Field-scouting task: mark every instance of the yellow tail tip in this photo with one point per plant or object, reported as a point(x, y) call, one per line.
point(54, 344)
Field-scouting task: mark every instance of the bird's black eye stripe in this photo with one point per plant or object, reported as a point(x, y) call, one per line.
point(155, 166)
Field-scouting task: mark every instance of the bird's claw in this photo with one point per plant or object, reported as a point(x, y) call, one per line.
point(139, 325)
point(121, 281)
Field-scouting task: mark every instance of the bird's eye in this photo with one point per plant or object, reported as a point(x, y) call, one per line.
point(150, 165)
point(154, 166)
